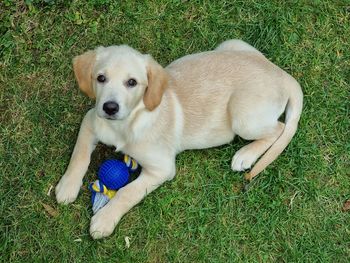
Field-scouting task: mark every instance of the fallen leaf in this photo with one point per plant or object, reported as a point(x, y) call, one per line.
point(50, 210)
point(41, 173)
point(346, 206)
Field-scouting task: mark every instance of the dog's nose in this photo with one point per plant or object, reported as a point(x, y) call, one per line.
point(110, 107)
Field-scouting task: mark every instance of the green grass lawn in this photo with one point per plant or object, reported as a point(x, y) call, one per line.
point(291, 213)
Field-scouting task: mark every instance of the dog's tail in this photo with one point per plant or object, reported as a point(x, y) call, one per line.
point(293, 112)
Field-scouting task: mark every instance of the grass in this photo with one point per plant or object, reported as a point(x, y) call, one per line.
point(291, 213)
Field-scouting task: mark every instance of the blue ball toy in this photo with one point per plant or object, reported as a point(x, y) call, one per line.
point(114, 174)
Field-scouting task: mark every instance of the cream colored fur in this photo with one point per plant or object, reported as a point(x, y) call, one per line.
point(198, 101)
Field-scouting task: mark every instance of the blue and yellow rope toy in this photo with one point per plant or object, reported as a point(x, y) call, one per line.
point(113, 175)
point(100, 195)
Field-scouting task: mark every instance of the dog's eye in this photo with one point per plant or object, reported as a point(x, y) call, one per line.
point(101, 78)
point(131, 83)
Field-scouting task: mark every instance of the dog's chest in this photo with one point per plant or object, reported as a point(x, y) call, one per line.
point(118, 139)
point(110, 135)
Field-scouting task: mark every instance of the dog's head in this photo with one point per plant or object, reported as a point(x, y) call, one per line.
point(120, 78)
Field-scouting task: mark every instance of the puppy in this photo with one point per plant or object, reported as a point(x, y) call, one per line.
point(198, 101)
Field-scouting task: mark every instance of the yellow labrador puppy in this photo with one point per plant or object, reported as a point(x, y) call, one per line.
point(198, 101)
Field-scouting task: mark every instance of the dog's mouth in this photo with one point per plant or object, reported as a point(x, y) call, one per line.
point(105, 116)
point(111, 118)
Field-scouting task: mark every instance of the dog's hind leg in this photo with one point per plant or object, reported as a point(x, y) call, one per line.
point(247, 155)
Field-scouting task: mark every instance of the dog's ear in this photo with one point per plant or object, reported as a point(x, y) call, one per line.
point(83, 66)
point(157, 82)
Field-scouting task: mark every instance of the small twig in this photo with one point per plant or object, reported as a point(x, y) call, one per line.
point(50, 189)
point(292, 199)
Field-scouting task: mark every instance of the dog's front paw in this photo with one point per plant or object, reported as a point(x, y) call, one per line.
point(103, 223)
point(67, 189)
